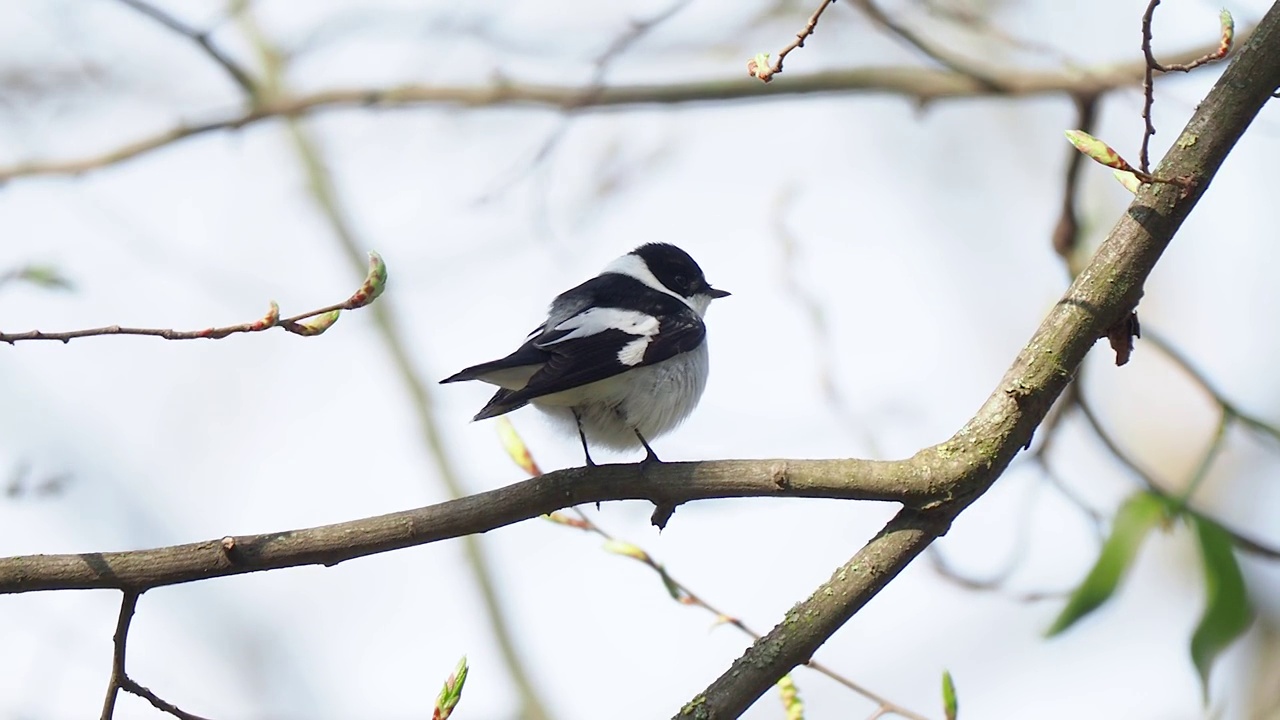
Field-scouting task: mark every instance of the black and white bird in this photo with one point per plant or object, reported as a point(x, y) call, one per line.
point(622, 357)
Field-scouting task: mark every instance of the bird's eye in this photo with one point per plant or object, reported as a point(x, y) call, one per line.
point(681, 281)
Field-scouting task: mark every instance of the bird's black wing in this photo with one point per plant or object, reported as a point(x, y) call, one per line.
point(585, 359)
point(526, 355)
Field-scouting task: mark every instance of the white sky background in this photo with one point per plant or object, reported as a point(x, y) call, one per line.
point(923, 235)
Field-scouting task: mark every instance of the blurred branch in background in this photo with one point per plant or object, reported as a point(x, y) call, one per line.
point(988, 78)
point(240, 76)
point(325, 196)
point(921, 84)
point(635, 32)
point(682, 594)
point(23, 481)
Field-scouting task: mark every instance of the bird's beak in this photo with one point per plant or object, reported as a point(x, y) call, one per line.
point(714, 293)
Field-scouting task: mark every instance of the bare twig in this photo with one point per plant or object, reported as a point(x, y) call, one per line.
point(1240, 540)
point(120, 680)
point(993, 584)
point(1248, 419)
point(1201, 472)
point(201, 38)
point(682, 594)
point(976, 21)
point(128, 685)
point(1153, 66)
point(1048, 432)
point(985, 76)
point(128, 604)
point(623, 42)
point(320, 319)
point(760, 67)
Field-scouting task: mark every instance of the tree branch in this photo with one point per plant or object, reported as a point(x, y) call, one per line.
point(922, 84)
point(918, 481)
point(1103, 293)
point(238, 74)
point(120, 679)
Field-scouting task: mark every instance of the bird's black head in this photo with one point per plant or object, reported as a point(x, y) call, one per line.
point(676, 270)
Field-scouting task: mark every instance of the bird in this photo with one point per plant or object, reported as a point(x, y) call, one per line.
point(621, 358)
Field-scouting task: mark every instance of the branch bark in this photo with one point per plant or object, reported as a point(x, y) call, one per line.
point(917, 481)
point(1102, 294)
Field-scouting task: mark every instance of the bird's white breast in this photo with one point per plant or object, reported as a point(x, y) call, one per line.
point(652, 399)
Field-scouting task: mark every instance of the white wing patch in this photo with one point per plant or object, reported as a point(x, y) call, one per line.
point(597, 320)
point(632, 353)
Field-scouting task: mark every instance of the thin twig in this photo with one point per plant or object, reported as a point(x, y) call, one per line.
point(1216, 445)
point(128, 685)
point(994, 584)
point(620, 45)
point(1249, 420)
point(1153, 66)
point(120, 679)
point(685, 596)
point(766, 70)
point(1148, 89)
point(1048, 432)
point(985, 77)
point(321, 318)
point(128, 604)
point(977, 22)
point(1240, 540)
point(201, 38)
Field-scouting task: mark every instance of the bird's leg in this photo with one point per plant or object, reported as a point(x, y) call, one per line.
point(583, 436)
point(649, 454)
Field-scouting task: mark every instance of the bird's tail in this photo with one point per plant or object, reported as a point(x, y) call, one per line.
point(500, 404)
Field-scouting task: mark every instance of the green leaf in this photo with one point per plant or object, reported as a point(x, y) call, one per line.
point(949, 703)
point(45, 276)
point(1227, 611)
point(451, 693)
point(1128, 180)
point(1133, 521)
point(1097, 150)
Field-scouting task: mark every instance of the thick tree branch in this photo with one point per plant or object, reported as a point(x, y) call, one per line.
point(1104, 292)
point(918, 482)
point(922, 84)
